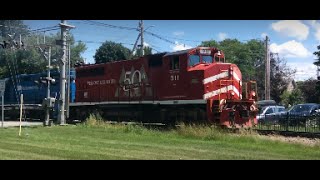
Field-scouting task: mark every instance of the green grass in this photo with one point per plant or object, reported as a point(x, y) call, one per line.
point(96, 140)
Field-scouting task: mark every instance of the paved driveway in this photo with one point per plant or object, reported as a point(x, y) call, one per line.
point(16, 123)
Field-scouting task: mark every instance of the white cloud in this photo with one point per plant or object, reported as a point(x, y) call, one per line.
point(146, 44)
point(263, 35)
point(179, 47)
point(316, 26)
point(222, 36)
point(317, 34)
point(290, 49)
point(291, 28)
point(178, 33)
point(304, 70)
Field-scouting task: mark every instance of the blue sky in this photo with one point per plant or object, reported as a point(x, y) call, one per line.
point(295, 40)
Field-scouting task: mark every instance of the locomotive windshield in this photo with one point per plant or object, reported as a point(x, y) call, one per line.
point(206, 59)
point(195, 59)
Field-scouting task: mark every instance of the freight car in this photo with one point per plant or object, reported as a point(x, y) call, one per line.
point(191, 85)
point(34, 89)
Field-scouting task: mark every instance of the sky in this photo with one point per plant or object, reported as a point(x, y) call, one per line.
point(294, 40)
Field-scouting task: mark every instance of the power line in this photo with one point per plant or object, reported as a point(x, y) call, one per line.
point(100, 42)
point(45, 29)
point(160, 37)
point(181, 39)
point(95, 23)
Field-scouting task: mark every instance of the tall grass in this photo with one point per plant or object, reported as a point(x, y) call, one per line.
point(201, 131)
point(96, 120)
point(190, 131)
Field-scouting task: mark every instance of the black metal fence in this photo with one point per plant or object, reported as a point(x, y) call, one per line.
point(290, 122)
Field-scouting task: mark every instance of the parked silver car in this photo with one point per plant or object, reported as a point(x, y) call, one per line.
point(267, 112)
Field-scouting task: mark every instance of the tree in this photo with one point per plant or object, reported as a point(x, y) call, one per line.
point(280, 76)
point(10, 27)
point(308, 89)
point(317, 53)
point(147, 51)
point(30, 60)
point(317, 63)
point(290, 98)
point(110, 52)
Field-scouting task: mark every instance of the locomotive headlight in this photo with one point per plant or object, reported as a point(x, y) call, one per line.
point(230, 71)
point(53, 81)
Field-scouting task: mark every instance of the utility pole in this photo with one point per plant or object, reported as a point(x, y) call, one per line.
point(64, 27)
point(2, 90)
point(68, 84)
point(20, 41)
point(44, 37)
point(47, 102)
point(135, 44)
point(141, 32)
point(2, 108)
point(267, 71)
point(47, 116)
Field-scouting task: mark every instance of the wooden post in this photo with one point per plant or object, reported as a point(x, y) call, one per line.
point(21, 100)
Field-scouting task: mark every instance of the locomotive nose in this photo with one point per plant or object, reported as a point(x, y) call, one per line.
point(222, 81)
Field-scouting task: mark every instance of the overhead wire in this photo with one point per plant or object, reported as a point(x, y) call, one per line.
point(90, 22)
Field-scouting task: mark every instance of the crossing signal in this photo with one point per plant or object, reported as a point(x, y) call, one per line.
point(45, 80)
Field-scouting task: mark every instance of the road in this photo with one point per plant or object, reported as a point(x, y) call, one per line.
point(16, 123)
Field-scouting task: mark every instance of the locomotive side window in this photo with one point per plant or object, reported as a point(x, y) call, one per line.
point(174, 63)
point(193, 60)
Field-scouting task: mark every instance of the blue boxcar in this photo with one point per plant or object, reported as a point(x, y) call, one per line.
point(33, 91)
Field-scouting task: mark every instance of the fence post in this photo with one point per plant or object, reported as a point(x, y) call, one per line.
point(287, 123)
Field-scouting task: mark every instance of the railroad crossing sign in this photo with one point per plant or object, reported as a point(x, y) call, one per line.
point(2, 86)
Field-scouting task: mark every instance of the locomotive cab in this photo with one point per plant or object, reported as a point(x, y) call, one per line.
point(203, 74)
point(205, 56)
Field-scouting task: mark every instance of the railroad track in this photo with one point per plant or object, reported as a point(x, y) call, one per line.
point(290, 133)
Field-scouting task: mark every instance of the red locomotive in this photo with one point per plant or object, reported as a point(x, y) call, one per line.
point(190, 85)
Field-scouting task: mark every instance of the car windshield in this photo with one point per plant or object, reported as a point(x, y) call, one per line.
point(301, 108)
point(261, 109)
